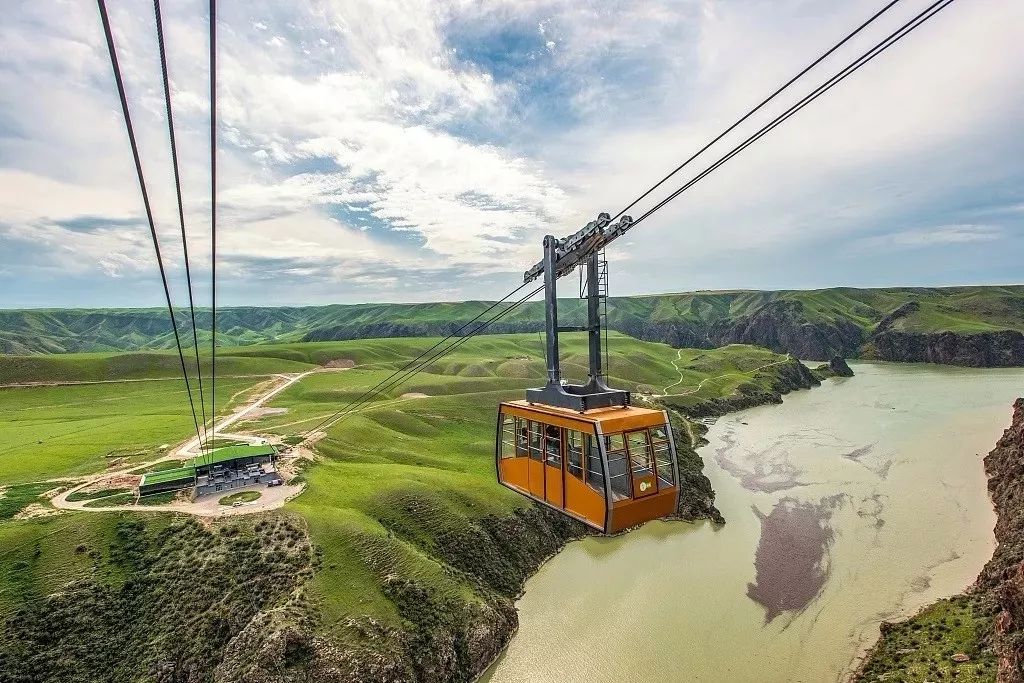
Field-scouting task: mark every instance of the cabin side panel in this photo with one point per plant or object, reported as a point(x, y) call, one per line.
point(583, 501)
point(630, 513)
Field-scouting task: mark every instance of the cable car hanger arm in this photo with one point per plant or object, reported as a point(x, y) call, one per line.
point(574, 250)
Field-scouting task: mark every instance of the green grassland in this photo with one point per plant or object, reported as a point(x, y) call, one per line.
point(921, 649)
point(240, 497)
point(415, 543)
point(956, 309)
point(425, 465)
point(60, 431)
point(118, 367)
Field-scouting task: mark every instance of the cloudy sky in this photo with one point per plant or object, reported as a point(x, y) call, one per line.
point(405, 150)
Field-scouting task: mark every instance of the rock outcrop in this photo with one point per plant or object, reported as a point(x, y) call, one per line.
point(1003, 576)
point(901, 312)
point(1000, 349)
point(783, 326)
point(837, 367)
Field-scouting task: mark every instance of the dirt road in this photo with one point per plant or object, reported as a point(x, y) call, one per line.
point(208, 506)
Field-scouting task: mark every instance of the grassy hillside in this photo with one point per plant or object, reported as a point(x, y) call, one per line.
point(400, 561)
point(60, 431)
point(692, 319)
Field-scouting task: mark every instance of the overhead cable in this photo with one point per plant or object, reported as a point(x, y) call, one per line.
point(213, 217)
point(759, 105)
point(851, 68)
point(115, 66)
point(374, 390)
point(437, 355)
point(181, 209)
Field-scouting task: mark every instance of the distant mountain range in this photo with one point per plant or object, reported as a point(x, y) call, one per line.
point(974, 326)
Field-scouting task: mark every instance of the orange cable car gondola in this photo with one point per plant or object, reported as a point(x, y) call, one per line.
point(583, 449)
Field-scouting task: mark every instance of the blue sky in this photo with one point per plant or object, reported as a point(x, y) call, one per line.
point(403, 150)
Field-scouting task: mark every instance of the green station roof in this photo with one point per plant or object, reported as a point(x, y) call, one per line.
point(165, 476)
point(228, 453)
point(217, 455)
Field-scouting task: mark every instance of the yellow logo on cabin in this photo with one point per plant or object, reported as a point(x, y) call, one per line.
point(644, 485)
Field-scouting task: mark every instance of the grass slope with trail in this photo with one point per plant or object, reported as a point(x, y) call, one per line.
point(401, 560)
point(978, 326)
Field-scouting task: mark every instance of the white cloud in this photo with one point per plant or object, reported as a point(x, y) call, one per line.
point(359, 140)
point(944, 235)
point(112, 251)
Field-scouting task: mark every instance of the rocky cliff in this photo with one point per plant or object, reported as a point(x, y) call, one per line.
point(978, 635)
point(784, 326)
point(1003, 576)
point(1004, 348)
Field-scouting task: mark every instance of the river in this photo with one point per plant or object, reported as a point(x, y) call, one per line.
point(849, 504)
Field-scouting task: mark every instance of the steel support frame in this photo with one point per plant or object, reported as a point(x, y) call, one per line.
point(579, 397)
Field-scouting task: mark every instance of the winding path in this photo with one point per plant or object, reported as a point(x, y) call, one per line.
point(700, 385)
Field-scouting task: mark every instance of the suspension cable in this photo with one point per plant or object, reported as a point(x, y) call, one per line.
point(145, 200)
point(181, 210)
point(213, 216)
point(851, 68)
point(880, 47)
point(371, 391)
point(758, 106)
point(441, 353)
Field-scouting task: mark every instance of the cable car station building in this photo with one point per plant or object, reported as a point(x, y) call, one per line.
point(582, 449)
point(221, 470)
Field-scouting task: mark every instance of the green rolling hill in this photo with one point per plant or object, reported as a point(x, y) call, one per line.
point(980, 326)
point(400, 561)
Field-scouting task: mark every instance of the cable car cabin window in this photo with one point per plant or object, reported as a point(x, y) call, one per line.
point(574, 452)
point(618, 467)
point(553, 446)
point(641, 459)
point(662, 456)
point(595, 472)
point(522, 437)
point(536, 433)
point(509, 445)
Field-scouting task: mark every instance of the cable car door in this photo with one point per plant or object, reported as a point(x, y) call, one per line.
point(553, 466)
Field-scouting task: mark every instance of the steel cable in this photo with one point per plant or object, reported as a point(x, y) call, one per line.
point(181, 209)
point(851, 68)
point(115, 66)
point(758, 106)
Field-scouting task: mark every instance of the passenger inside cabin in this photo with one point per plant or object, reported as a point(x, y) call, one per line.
point(574, 447)
point(522, 440)
point(551, 446)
